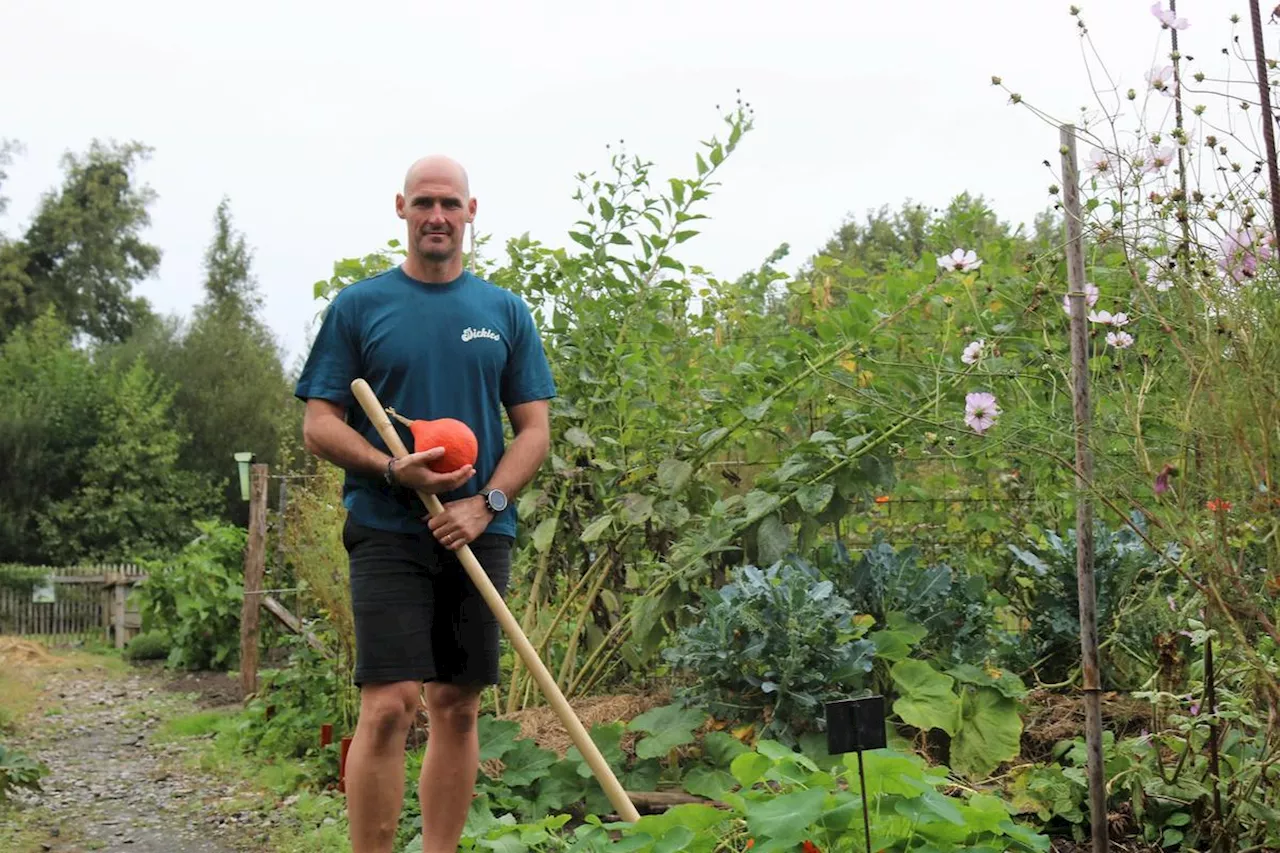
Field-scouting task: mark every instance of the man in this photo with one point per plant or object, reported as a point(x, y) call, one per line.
point(433, 341)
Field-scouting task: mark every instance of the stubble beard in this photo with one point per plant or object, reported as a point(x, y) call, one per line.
point(435, 256)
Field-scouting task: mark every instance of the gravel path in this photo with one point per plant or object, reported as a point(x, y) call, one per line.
point(110, 788)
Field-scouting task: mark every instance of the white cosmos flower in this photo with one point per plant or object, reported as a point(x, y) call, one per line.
point(960, 261)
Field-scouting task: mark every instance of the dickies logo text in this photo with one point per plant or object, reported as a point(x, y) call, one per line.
point(470, 334)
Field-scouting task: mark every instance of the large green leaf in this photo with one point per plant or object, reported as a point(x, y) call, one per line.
point(673, 474)
point(1008, 683)
point(990, 732)
point(693, 816)
point(703, 781)
point(749, 768)
point(926, 698)
point(526, 763)
point(596, 528)
point(722, 747)
point(785, 820)
point(544, 534)
point(636, 508)
point(497, 737)
point(667, 727)
point(607, 737)
point(773, 538)
point(813, 499)
point(578, 437)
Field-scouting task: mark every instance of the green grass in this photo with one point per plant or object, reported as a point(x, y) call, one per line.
point(198, 724)
point(19, 695)
point(25, 830)
point(303, 829)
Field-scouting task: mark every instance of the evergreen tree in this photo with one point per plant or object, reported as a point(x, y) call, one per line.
point(84, 253)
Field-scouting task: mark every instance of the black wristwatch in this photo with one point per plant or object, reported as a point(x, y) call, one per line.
point(389, 475)
point(495, 500)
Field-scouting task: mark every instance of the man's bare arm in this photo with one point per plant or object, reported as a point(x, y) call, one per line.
point(531, 423)
point(326, 434)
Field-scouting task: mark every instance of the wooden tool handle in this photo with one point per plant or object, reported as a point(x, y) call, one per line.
point(577, 732)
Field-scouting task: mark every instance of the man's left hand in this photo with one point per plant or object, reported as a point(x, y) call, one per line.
point(461, 522)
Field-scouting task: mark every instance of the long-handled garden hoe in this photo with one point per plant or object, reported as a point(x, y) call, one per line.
point(604, 774)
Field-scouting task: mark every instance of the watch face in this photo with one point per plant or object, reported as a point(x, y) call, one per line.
point(497, 501)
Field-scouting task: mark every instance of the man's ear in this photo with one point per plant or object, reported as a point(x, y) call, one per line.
point(400, 205)
point(471, 215)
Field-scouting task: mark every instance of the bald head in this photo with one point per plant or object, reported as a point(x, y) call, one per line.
point(438, 169)
point(437, 207)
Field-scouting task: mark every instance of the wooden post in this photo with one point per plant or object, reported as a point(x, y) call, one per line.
point(119, 590)
point(1084, 506)
point(1264, 99)
point(255, 559)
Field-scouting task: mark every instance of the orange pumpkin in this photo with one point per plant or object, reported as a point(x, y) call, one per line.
point(457, 439)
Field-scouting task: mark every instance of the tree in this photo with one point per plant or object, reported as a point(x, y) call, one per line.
point(229, 284)
point(47, 425)
point(83, 252)
point(132, 502)
point(231, 392)
point(8, 148)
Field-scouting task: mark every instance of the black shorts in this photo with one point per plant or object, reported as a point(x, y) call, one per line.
point(418, 616)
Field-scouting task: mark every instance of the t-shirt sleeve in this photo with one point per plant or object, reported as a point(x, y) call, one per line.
point(527, 375)
point(334, 361)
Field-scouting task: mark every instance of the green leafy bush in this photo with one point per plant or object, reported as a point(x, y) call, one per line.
point(773, 645)
point(954, 609)
point(292, 703)
point(1131, 604)
point(21, 578)
point(773, 797)
point(149, 645)
point(18, 770)
point(196, 598)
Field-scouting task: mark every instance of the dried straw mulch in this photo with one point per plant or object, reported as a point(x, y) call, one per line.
point(545, 729)
point(14, 652)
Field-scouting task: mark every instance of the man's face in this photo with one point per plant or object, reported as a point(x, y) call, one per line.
point(436, 213)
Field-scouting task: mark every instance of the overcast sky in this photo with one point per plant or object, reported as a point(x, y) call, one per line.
point(306, 114)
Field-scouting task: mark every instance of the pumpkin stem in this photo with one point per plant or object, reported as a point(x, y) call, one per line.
point(401, 418)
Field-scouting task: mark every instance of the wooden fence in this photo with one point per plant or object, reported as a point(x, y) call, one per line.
point(74, 602)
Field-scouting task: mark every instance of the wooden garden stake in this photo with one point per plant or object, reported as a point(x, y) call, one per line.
point(1084, 476)
point(255, 560)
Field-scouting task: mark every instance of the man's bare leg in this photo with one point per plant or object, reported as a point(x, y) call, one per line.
point(375, 764)
point(448, 778)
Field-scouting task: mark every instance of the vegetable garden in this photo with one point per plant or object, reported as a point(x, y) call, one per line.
point(773, 492)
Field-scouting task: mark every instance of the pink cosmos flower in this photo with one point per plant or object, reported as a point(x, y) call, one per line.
point(1157, 160)
point(1167, 18)
point(1160, 78)
point(980, 411)
point(973, 351)
point(1242, 250)
point(960, 261)
point(1090, 297)
point(1120, 340)
point(1099, 161)
point(1106, 318)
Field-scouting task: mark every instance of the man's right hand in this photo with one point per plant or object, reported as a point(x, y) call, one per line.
point(412, 472)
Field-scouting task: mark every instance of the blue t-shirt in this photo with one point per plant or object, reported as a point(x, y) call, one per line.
point(465, 349)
